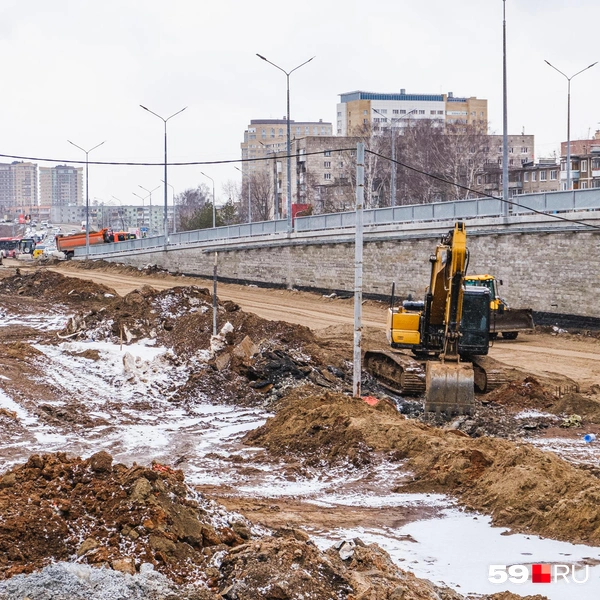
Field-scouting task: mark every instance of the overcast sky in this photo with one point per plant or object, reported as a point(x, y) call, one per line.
point(79, 69)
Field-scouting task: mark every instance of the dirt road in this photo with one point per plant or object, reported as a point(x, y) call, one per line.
point(562, 355)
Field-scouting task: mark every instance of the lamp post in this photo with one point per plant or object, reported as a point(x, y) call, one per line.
point(150, 196)
point(165, 216)
point(249, 192)
point(569, 115)
point(393, 178)
point(289, 146)
point(87, 196)
point(143, 210)
point(214, 210)
point(174, 221)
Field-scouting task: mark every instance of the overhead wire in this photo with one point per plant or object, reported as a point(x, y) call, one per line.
point(484, 194)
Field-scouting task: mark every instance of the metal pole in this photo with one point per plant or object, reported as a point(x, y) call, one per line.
point(215, 296)
point(569, 134)
point(393, 190)
point(504, 119)
point(569, 115)
point(213, 202)
point(87, 196)
point(165, 215)
point(289, 160)
point(249, 203)
point(358, 266)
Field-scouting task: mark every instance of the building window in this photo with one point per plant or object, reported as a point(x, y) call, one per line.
point(595, 164)
point(440, 112)
point(402, 112)
point(542, 175)
point(478, 179)
point(421, 112)
point(395, 111)
point(327, 153)
point(584, 185)
point(510, 150)
point(272, 133)
point(264, 134)
point(526, 176)
point(533, 176)
point(327, 176)
point(432, 112)
point(280, 132)
point(524, 149)
point(339, 113)
point(327, 164)
point(365, 112)
point(365, 121)
point(584, 166)
point(307, 130)
point(553, 174)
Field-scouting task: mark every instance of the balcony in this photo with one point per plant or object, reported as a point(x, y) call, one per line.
point(574, 175)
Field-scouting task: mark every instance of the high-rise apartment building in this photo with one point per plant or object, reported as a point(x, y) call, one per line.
point(359, 110)
point(61, 185)
point(7, 193)
point(25, 185)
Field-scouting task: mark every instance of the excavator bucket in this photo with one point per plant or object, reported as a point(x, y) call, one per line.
point(449, 388)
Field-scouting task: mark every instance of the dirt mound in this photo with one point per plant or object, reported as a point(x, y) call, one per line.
point(519, 486)
point(525, 393)
point(103, 265)
point(60, 508)
point(574, 403)
point(48, 285)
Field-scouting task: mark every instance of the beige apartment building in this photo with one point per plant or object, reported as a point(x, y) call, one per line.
point(585, 163)
point(360, 110)
point(61, 185)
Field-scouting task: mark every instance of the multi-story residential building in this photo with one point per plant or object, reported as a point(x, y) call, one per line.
point(585, 163)
point(7, 193)
point(25, 185)
point(543, 176)
point(521, 151)
point(359, 110)
point(264, 137)
point(61, 185)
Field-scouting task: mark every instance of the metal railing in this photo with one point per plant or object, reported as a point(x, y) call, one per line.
point(550, 202)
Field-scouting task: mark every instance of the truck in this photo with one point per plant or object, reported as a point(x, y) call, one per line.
point(67, 243)
point(504, 319)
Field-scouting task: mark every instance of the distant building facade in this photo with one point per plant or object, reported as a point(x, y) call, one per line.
point(359, 110)
point(61, 185)
point(18, 188)
point(585, 163)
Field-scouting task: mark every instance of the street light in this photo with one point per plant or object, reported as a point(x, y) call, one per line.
point(569, 115)
point(87, 197)
point(143, 210)
point(393, 178)
point(150, 195)
point(289, 147)
point(214, 210)
point(165, 217)
point(174, 223)
point(249, 203)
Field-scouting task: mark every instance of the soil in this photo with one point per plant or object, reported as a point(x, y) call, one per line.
point(288, 352)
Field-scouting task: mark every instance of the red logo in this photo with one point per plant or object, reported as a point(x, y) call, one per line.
point(541, 574)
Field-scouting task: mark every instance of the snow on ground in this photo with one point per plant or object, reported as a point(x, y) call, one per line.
point(126, 390)
point(574, 450)
point(458, 549)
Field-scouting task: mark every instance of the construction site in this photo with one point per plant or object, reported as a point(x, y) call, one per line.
point(142, 456)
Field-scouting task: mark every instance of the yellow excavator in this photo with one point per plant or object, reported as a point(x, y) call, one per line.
point(447, 332)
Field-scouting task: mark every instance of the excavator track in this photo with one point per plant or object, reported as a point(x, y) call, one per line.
point(396, 371)
point(489, 373)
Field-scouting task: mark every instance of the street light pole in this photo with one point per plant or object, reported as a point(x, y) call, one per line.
point(150, 196)
point(569, 115)
point(214, 209)
point(174, 221)
point(87, 197)
point(249, 196)
point(289, 145)
point(393, 129)
point(165, 217)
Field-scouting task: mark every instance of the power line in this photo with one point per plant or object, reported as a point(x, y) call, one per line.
point(468, 189)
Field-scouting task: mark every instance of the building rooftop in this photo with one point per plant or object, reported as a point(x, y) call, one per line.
point(402, 95)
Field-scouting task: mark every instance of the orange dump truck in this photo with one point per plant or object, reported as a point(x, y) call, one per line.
point(68, 243)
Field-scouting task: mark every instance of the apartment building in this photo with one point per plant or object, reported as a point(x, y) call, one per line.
point(7, 193)
point(372, 110)
point(585, 163)
point(264, 137)
point(61, 185)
